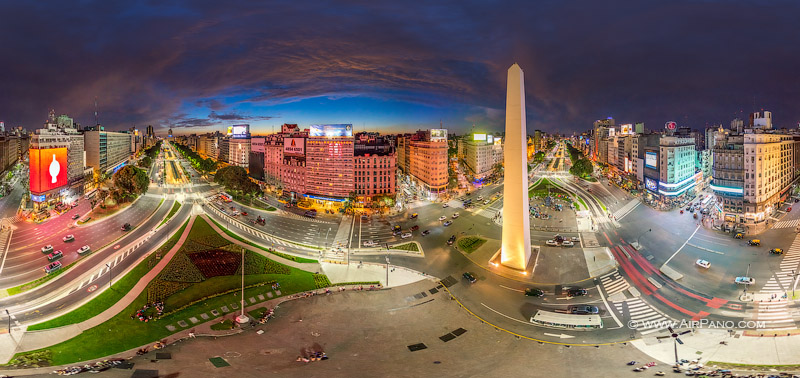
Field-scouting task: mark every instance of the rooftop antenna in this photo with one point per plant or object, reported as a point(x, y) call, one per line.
point(96, 120)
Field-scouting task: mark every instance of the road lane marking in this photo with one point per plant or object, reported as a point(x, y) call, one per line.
point(679, 249)
point(500, 313)
point(610, 311)
point(512, 289)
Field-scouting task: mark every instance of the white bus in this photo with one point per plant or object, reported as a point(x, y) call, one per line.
point(570, 321)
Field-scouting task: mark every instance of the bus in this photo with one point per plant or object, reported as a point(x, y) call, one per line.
point(569, 321)
point(90, 194)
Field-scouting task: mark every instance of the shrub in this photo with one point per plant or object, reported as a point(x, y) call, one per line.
point(181, 269)
point(159, 290)
point(321, 281)
point(253, 264)
point(273, 267)
point(216, 262)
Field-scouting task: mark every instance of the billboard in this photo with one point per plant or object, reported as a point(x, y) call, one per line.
point(611, 132)
point(240, 131)
point(626, 129)
point(498, 142)
point(651, 159)
point(48, 169)
point(294, 146)
point(230, 131)
point(650, 184)
point(490, 139)
point(478, 136)
point(37, 197)
point(335, 130)
point(438, 135)
point(671, 125)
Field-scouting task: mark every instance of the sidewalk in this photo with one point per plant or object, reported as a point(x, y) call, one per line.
point(33, 340)
point(705, 344)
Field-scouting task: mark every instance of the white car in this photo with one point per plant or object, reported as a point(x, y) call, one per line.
point(69, 238)
point(47, 249)
point(83, 250)
point(567, 243)
point(455, 215)
point(745, 280)
point(370, 243)
point(442, 218)
point(551, 242)
point(486, 202)
point(444, 206)
point(702, 263)
point(575, 239)
point(480, 198)
point(405, 235)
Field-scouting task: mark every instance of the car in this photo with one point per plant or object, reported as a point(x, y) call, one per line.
point(558, 238)
point(84, 250)
point(414, 227)
point(50, 268)
point(576, 292)
point(447, 223)
point(406, 235)
point(486, 202)
point(738, 235)
point(567, 243)
point(480, 198)
point(68, 238)
point(776, 251)
point(534, 292)
point(47, 249)
point(396, 227)
point(76, 216)
point(451, 240)
point(754, 242)
point(470, 277)
point(702, 263)
point(575, 239)
point(370, 243)
point(444, 206)
point(55, 256)
point(456, 215)
point(583, 310)
point(244, 213)
point(789, 210)
point(364, 217)
point(413, 216)
point(551, 243)
point(426, 232)
point(126, 227)
point(744, 280)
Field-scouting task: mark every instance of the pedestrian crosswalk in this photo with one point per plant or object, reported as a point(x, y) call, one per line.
point(775, 312)
point(614, 283)
point(643, 317)
point(787, 223)
point(625, 210)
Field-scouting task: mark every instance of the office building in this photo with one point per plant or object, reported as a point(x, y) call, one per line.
point(106, 151)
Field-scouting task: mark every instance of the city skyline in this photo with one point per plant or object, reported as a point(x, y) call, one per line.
point(392, 69)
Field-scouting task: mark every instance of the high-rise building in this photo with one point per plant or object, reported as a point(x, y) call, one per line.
point(482, 152)
point(375, 165)
point(427, 155)
point(256, 160)
point(106, 151)
point(329, 162)
point(238, 152)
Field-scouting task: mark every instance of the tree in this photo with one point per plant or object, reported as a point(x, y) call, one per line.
point(145, 162)
point(497, 170)
point(130, 182)
point(235, 179)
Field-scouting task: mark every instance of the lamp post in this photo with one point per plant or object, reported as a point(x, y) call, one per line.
point(9, 321)
point(242, 318)
point(108, 265)
point(640, 236)
point(387, 271)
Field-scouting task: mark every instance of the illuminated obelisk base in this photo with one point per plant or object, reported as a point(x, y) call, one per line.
point(507, 271)
point(515, 251)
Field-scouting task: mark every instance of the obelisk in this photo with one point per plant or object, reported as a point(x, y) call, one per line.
point(516, 248)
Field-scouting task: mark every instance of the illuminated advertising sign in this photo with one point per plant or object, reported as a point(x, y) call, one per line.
point(611, 132)
point(651, 159)
point(37, 197)
point(671, 125)
point(438, 135)
point(478, 136)
point(490, 139)
point(650, 184)
point(336, 130)
point(240, 131)
point(626, 129)
point(48, 169)
point(587, 141)
point(294, 146)
point(230, 130)
point(498, 142)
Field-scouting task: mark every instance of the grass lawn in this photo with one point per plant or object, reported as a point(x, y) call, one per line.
point(175, 207)
point(257, 313)
point(108, 297)
point(583, 203)
point(470, 243)
point(407, 247)
point(223, 325)
point(100, 213)
point(276, 253)
point(122, 333)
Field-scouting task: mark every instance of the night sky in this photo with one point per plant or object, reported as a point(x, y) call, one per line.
point(397, 65)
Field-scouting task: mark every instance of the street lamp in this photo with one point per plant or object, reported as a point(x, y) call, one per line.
point(640, 236)
point(387, 271)
point(9, 321)
point(242, 318)
point(108, 265)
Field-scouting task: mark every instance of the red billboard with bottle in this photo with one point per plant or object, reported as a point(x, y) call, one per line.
point(48, 169)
